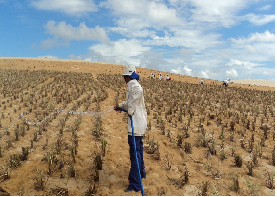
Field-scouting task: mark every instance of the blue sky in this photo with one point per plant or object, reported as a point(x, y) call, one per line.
point(201, 38)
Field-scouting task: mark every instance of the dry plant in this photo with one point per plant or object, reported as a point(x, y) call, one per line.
point(235, 186)
point(40, 180)
point(98, 161)
point(238, 161)
point(204, 188)
point(104, 145)
point(92, 190)
point(253, 188)
point(270, 180)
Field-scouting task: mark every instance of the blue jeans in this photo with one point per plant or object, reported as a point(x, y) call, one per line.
point(133, 175)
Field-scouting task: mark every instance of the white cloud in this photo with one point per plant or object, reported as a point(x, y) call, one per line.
point(53, 42)
point(136, 32)
point(218, 12)
point(73, 57)
point(67, 32)
point(187, 70)
point(177, 70)
point(126, 7)
point(250, 49)
point(143, 13)
point(259, 20)
point(120, 51)
point(255, 37)
point(193, 39)
point(71, 7)
point(232, 73)
point(186, 53)
point(161, 14)
point(48, 56)
point(269, 72)
point(205, 74)
point(257, 47)
point(265, 8)
point(243, 64)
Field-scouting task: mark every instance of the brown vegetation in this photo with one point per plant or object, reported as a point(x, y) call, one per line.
point(201, 140)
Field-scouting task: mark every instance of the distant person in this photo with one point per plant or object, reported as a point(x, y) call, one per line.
point(160, 76)
point(202, 82)
point(167, 77)
point(226, 82)
point(152, 76)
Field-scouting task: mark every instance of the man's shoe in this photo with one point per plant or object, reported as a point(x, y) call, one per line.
point(127, 190)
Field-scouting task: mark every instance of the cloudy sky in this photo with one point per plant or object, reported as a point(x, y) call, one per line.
point(201, 38)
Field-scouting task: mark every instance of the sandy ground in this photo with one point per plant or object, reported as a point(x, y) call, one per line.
point(163, 176)
point(256, 82)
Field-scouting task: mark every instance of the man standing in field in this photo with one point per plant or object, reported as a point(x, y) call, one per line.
point(136, 108)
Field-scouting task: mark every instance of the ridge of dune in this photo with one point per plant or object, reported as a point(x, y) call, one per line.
point(256, 82)
point(111, 68)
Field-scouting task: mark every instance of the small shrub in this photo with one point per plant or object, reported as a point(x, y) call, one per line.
point(98, 162)
point(253, 188)
point(222, 155)
point(250, 167)
point(204, 189)
point(236, 183)
point(179, 140)
point(238, 161)
point(71, 170)
point(270, 181)
point(16, 133)
point(91, 190)
point(185, 177)
point(187, 147)
point(25, 152)
point(103, 145)
point(40, 180)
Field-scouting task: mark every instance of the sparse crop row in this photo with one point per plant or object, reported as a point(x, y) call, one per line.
point(209, 125)
point(227, 123)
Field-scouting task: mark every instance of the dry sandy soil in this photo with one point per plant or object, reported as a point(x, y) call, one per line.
point(256, 82)
point(164, 176)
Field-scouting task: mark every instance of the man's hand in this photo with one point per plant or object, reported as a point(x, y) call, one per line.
point(116, 107)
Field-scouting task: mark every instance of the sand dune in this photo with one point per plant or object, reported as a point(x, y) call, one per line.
point(235, 82)
point(256, 82)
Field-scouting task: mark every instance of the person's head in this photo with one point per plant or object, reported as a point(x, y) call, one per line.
point(129, 70)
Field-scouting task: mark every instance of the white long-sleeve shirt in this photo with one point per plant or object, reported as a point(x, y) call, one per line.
point(136, 108)
point(160, 77)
